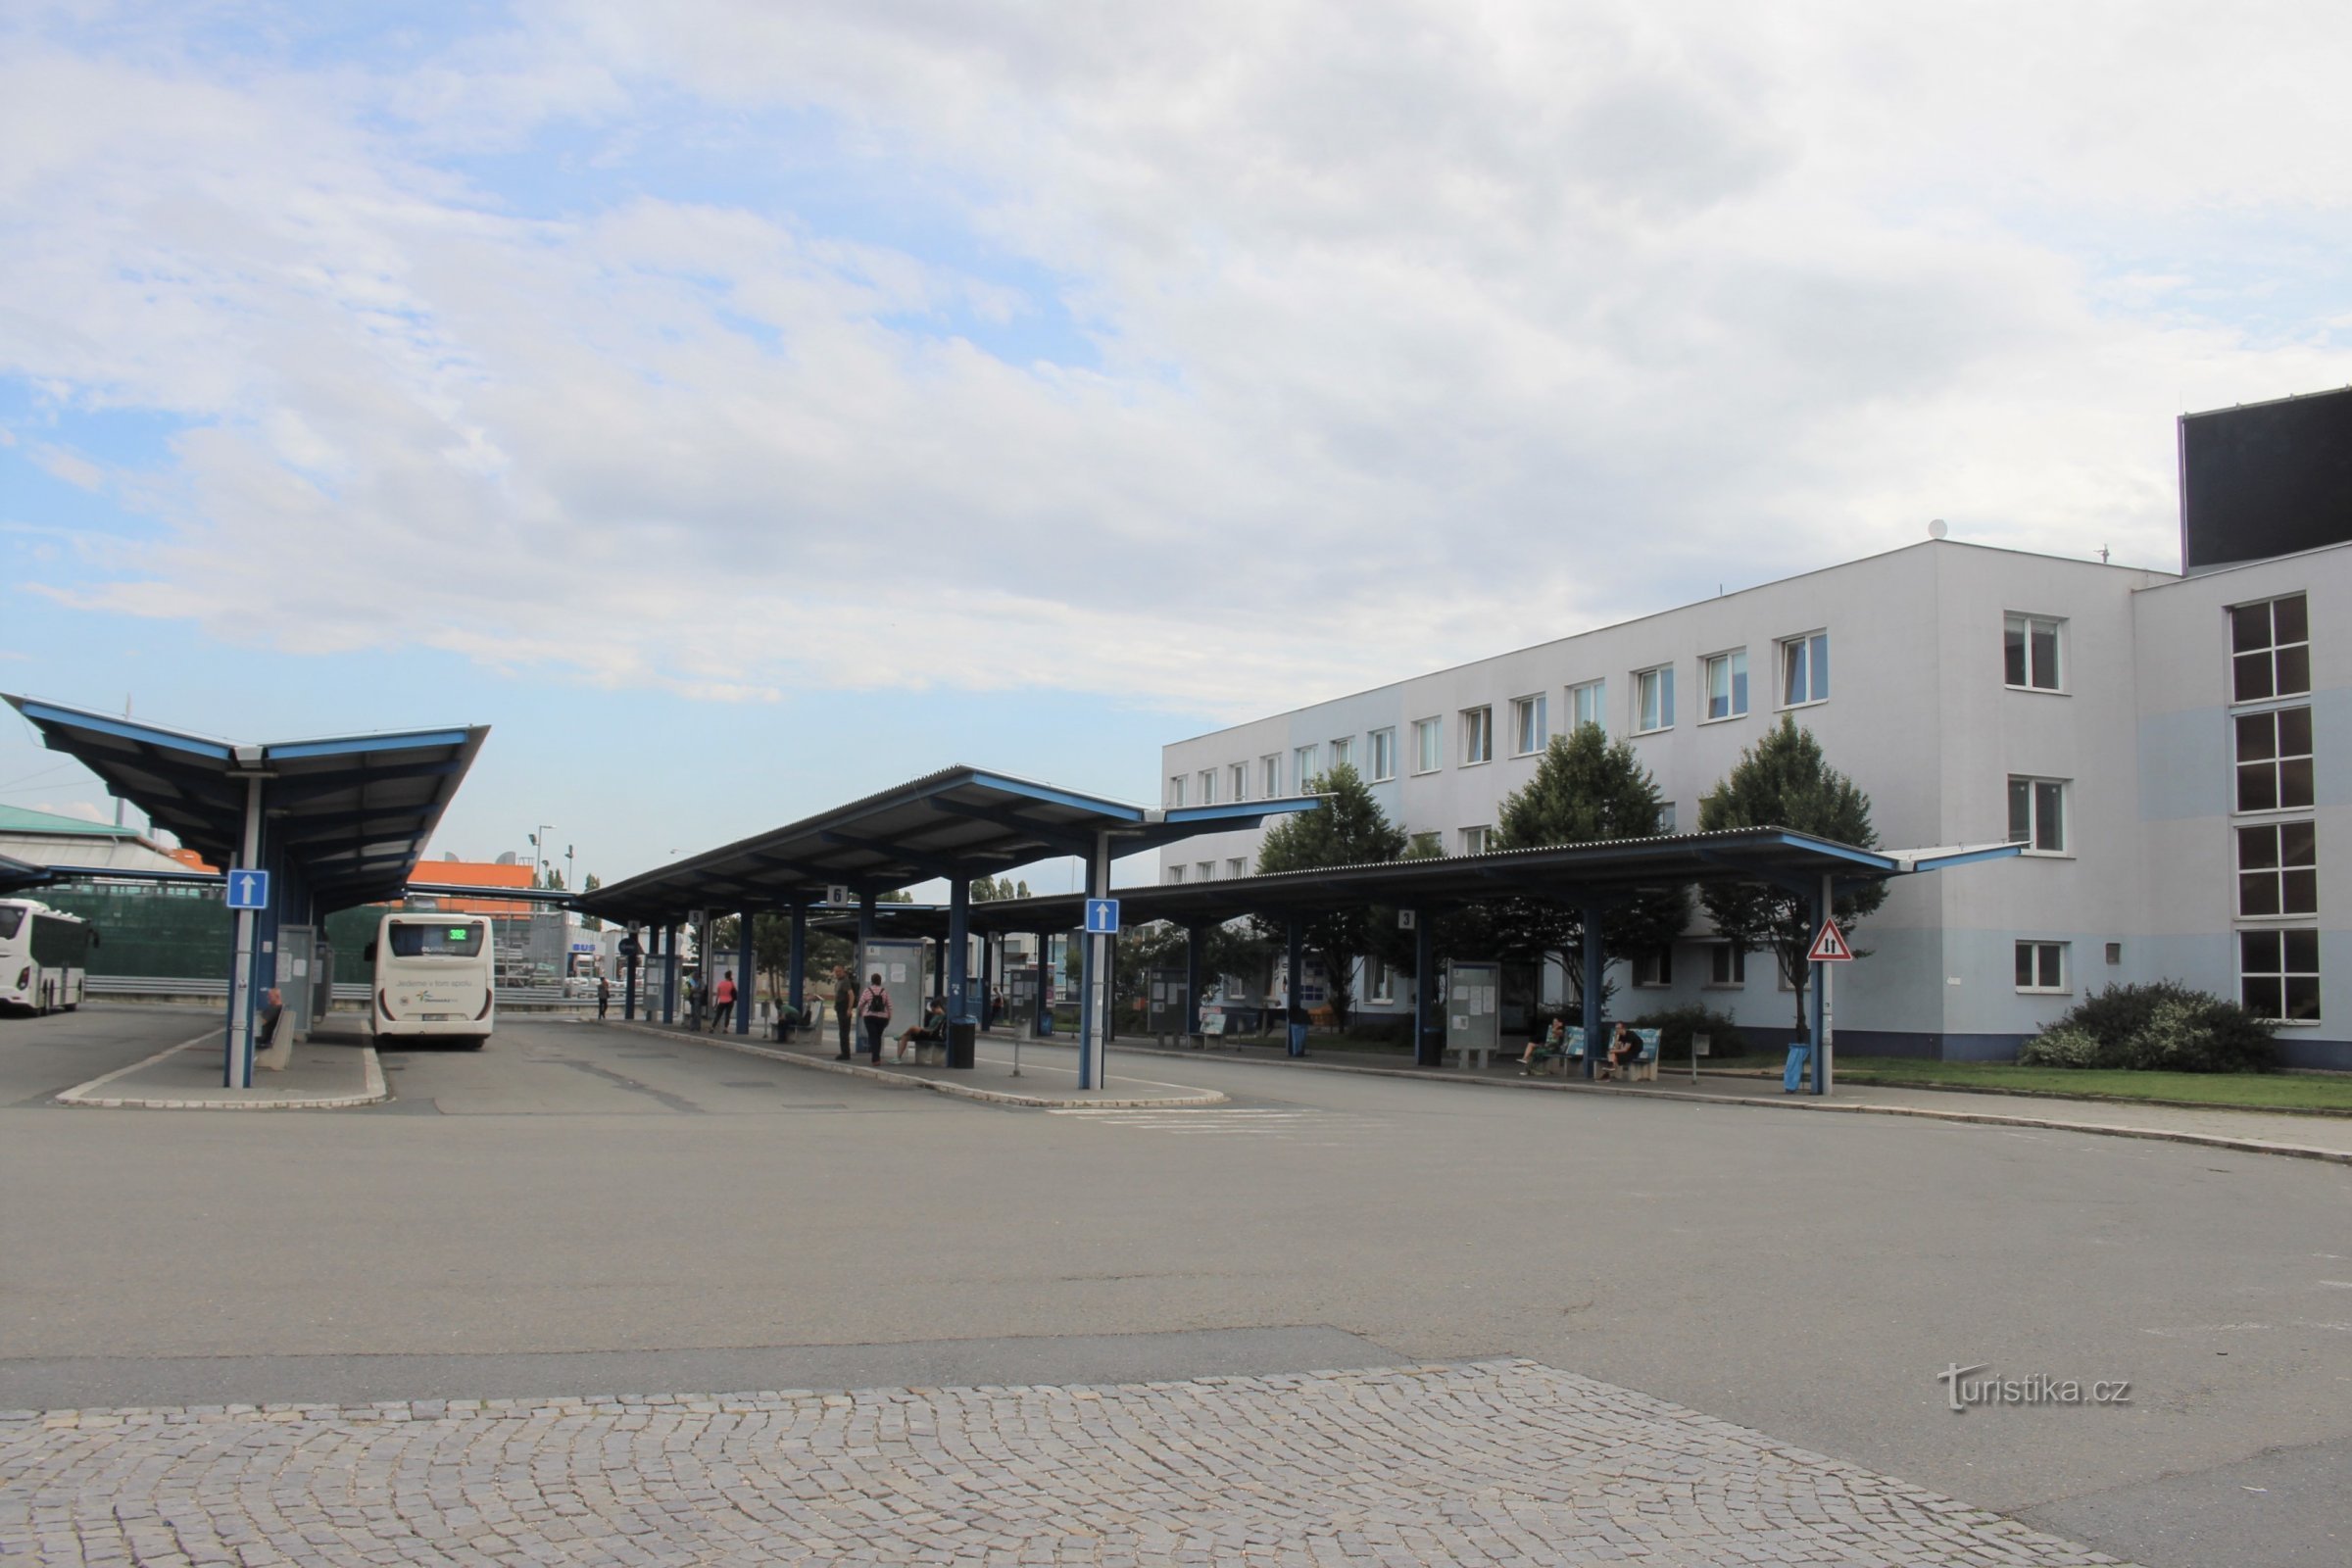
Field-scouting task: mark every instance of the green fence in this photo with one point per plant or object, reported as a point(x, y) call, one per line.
point(189, 932)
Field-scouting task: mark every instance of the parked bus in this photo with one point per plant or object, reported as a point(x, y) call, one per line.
point(44, 957)
point(433, 979)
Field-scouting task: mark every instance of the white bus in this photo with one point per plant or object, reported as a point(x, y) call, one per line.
point(433, 979)
point(44, 957)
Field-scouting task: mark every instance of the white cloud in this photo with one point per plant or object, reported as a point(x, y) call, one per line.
point(1417, 331)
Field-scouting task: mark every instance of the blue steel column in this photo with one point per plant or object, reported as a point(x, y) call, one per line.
point(1044, 999)
point(988, 975)
point(865, 937)
point(628, 993)
point(797, 966)
point(1596, 966)
point(1094, 987)
point(1295, 940)
point(959, 942)
point(743, 976)
point(1425, 989)
point(1193, 944)
point(669, 973)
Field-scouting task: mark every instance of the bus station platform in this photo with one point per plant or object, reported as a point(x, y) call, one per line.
point(335, 1069)
point(1049, 1071)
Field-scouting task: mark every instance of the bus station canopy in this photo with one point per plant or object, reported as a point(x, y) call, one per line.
point(17, 875)
point(348, 815)
point(1600, 872)
point(958, 823)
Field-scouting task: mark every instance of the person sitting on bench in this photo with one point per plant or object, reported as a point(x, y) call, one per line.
point(930, 1032)
point(1554, 1041)
point(1624, 1046)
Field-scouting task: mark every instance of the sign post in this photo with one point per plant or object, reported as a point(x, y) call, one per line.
point(1830, 949)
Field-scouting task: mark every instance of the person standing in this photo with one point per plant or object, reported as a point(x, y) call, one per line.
point(844, 1000)
point(873, 1010)
point(603, 996)
point(723, 1001)
point(694, 1003)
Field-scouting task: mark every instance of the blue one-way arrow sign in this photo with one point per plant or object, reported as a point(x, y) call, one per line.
point(249, 890)
point(1103, 917)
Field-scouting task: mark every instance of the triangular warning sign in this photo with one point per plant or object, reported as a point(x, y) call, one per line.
point(1830, 946)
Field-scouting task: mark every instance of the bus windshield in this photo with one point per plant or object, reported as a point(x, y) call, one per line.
point(10, 921)
point(418, 941)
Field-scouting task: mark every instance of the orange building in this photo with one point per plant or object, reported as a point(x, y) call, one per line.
point(476, 874)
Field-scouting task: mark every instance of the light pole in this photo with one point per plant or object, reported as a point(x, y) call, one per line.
point(539, 852)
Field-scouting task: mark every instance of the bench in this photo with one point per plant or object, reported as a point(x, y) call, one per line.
point(1640, 1069)
point(1644, 1067)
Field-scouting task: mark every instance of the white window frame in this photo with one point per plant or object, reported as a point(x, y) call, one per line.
point(2020, 625)
point(1531, 724)
point(1478, 735)
point(1589, 698)
point(2271, 719)
point(1236, 868)
point(2268, 650)
point(1343, 751)
point(2275, 874)
point(1667, 816)
point(1718, 968)
point(1175, 789)
point(1204, 871)
point(1307, 762)
point(1380, 985)
point(1209, 786)
point(1429, 742)
point(1237, 776)
point(1476, 839)
point(2040, 984)
point(1814, 646)
point(1733, 663)
point(1384, 753)
point(1269, 772)
point(2275, 938)
point(1662, 675)
point(1174, 874)
point(1654, 970)
point(1420, 846)
point(2035, 784)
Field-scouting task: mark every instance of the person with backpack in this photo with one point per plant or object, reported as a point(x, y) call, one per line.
point(873, 1011)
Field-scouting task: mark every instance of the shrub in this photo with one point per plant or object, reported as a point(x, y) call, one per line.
point(2061, 1046)
point(1676, 1026)
point(2164, 1026)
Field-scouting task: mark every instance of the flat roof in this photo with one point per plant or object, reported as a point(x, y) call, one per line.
point(349, 815)
point(960, 822)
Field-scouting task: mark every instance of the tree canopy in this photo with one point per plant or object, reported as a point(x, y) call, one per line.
point(1349, 829)
point(1785, 780)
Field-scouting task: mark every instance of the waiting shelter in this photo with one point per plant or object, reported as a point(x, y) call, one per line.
point(305, 827)
point(955, 824)
point(1591, 878)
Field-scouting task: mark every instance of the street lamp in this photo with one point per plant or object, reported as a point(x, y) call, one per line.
point(539, 852)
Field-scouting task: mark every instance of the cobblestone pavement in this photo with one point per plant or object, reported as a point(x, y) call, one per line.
point(1473, 1463)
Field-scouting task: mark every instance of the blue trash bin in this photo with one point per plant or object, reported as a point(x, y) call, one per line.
point(1297, 1040)
point(1793, 1076)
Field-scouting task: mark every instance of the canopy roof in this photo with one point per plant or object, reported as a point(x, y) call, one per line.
point(1601, 871)
point(960, 822)
point(350, 815)
point(17, 875)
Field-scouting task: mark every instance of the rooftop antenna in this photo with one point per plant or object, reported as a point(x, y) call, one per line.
point(1935, 528)
point(2102, 554)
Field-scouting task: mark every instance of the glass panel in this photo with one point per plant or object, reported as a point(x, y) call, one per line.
point(1738, 683)
point(1793, 672)
point(2298, 844)
point(2020, 811)
point(2050, 816)
point(2257, 849)
point(2294, 731)
point(2294, 670)
point(2053, 965)
point(1719, 688)
point(2303, 997)
point(2257, 737)
point(2258, 893)
point(2295, 781)
point(2012, 652)
point(9, 919)
point(2302, 952)
point(2257, 952)
point(2264, 997)
point(2290, 620)
point(2253, 677)
point(2045, 655)
point(2257, 787)
point(2298, 893)
point(2250, 628)
point(1819, 674)
point(2025, 964)
point(1666, 705)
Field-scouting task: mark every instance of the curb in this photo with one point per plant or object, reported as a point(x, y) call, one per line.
point(993, 1097)
point(81, 1096)
point(2243, 1145)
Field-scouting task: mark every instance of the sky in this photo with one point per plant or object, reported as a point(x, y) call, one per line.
point(742, 405)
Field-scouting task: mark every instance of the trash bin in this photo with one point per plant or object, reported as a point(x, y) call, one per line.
point(962, 1034)
point(1297, 1040)
point(1043, 1028)
point(1794, 1075)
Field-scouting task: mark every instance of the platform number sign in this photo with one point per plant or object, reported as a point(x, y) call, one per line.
point(249, 890)
point(1103, 917)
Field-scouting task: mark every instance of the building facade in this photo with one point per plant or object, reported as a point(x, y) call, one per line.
point(2160, 744)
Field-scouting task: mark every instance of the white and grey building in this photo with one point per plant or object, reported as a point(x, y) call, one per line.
point(2170, 749)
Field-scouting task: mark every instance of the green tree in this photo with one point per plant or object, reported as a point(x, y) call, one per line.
point(1348, 829)
point(1785, 781)
point(995, 889)
point(589, 884)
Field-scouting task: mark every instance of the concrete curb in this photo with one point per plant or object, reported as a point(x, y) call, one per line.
point(2169, 1135)
point(375, 1090)
point(993, 1097)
